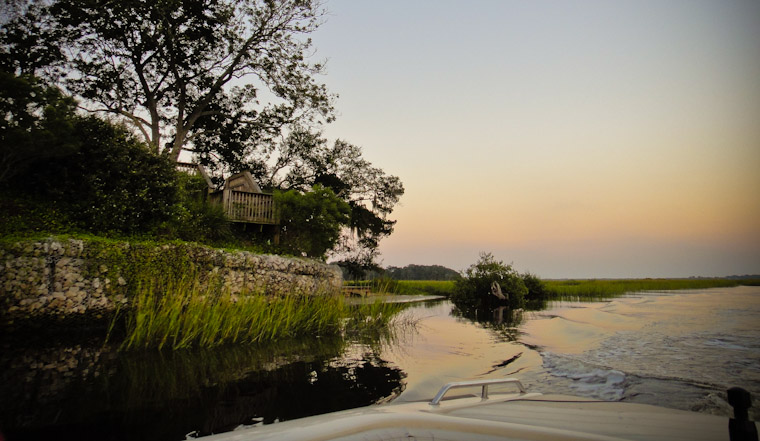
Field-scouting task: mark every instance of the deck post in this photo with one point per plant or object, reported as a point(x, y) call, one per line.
point(226, 200)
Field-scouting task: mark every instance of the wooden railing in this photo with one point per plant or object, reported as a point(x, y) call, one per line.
point(243, 206)
point(356, 290)
point(194, 169)
point(187, 167)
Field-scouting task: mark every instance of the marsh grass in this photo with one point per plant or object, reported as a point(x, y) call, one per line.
point(579, 289)
point(431, 287)
point(381, 325)
point(593, 289)
point(385, 285)
point(376, 315)
point(179, 314)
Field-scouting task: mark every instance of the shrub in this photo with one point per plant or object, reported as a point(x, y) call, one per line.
point(473, 290)
point(37, 122)
point(193, 217)
point(536, 287)
point(29, 215)
point(311, 222)
point(111, 184)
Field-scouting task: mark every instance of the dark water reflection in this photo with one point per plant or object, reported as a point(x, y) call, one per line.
point(679, 350)
point(85, 391)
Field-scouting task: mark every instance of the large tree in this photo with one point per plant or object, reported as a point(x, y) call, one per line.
point(177, 69)
point(230, 80)
point(305, 159)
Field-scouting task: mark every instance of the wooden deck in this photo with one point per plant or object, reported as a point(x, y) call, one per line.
point(244, 206)
point(241, 197)
point(357, 290)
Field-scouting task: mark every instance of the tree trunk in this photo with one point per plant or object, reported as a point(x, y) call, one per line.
point(179, 141)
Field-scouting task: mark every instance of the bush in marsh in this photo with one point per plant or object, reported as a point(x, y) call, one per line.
point(537, 289)
point(473, 290)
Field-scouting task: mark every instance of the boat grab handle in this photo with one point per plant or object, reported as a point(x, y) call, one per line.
point(482, 383)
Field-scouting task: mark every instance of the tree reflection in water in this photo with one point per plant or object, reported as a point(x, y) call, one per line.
point(502, 320)
point(89, 392)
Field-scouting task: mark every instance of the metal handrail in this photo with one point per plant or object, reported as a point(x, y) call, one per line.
point(483, 383)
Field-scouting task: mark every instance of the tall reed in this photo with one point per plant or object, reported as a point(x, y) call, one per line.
point(180, 313)
point(386, 285)
point(377, 314)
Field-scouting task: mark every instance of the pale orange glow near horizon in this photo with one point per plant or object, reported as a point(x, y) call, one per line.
point(584, 139)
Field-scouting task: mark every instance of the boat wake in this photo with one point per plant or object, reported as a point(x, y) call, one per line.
point(683, 351)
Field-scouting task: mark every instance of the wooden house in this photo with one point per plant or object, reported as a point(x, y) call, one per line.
point(241, 197)
point(243, 201)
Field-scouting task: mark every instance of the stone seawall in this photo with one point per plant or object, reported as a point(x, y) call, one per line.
point(75, 278)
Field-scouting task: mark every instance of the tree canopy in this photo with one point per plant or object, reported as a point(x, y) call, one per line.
point(304, 160)
point(178, 69)
point(311, 221)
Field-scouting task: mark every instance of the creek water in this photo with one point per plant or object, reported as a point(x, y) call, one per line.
point(675, 349)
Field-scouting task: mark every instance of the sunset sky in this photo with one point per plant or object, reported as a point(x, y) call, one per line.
point(575, 139)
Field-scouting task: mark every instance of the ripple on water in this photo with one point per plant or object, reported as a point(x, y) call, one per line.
point(585, 379)
point(683, 351)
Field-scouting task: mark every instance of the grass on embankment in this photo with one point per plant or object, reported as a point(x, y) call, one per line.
point(179, 314)
point(408, 287)
point(594, 289)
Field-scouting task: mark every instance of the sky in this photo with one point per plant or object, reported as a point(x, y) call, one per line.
point(571, 139)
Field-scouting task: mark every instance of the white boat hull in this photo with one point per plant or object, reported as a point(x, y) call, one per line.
point(506, 417)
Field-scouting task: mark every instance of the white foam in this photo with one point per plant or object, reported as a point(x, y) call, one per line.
point(586, 379)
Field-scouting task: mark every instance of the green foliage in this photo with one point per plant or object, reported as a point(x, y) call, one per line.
point(473, 291)
point(174, 312)
point(26, 215)
point(360, 263)
point(310, 222)
point(536, 287)
point(37, 122)
point(422, 272)
point(179, 314)
point(193, 218)
point(112, 184)
point(305, 159)
point(164, 67)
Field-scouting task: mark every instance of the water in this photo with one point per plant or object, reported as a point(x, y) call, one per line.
point(679, 350)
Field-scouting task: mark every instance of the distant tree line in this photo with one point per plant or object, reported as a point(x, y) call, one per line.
point(422, 272)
